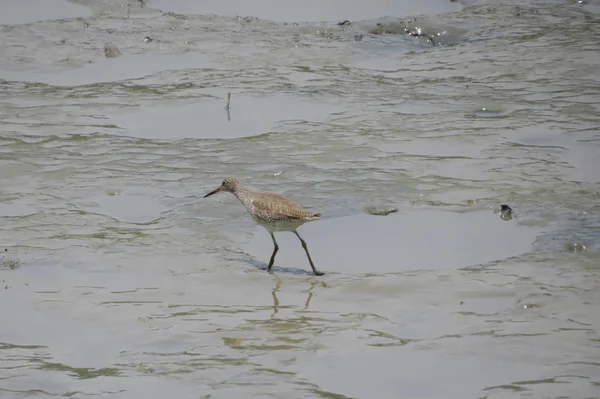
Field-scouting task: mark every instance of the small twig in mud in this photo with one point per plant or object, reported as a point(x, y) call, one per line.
point(227, 106)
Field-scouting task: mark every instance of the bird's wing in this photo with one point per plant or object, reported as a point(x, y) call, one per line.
point(276, 206)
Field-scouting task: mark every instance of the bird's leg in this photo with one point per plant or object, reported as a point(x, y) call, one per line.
point(274, 252)
point(315, 271)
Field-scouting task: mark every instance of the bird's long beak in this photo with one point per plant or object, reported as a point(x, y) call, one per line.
point(216, 190)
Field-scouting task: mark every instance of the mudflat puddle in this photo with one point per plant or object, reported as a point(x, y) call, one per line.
point(207, 117)
point(11, 209)
point(124, 67)
point(420, 240)
point(422, 365)
point(310, 10)
point(26, 11)
point(136, 206)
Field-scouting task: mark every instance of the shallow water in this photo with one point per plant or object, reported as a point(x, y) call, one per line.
point(121, 281)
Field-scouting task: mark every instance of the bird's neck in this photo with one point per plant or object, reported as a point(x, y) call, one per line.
point(244, 195)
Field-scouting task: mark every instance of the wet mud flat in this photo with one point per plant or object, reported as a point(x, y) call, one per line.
point(120, 281)
point(418, 240)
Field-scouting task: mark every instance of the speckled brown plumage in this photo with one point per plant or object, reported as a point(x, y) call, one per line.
point(272, 207)
point(272, 211)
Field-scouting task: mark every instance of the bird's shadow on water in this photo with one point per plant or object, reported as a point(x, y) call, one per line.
point(277, 269)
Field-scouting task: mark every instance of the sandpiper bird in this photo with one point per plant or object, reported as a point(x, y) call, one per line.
point(272, 211)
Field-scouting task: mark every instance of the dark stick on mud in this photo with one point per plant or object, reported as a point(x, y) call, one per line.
point(228, 100)
point(227, 106)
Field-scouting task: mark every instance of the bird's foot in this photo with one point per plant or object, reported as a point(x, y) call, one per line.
point(318, 273)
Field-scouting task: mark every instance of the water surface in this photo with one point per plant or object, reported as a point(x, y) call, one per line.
point(131, 285)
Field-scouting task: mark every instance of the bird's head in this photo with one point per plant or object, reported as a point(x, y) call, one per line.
point(230, 184)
